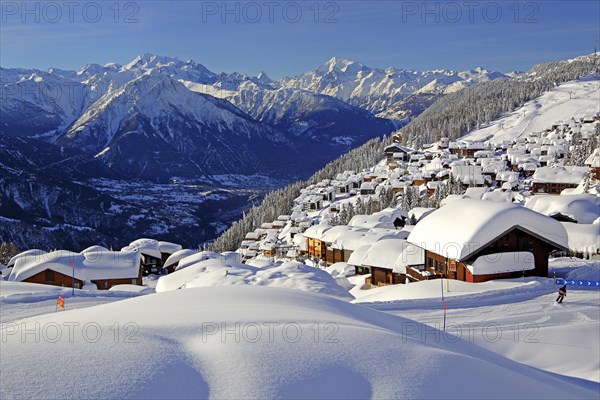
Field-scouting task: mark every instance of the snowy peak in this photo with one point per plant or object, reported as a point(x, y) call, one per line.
point(339, 64)
point(263, 77)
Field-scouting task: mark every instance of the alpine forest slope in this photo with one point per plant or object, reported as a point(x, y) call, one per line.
point(451, 116)
point(164, 147)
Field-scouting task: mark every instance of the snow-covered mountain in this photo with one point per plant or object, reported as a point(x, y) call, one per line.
point(147, 118)
point(188, 134)
point(379, 90)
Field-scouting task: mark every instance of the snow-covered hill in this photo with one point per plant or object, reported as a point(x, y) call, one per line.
point(574, 99)
point(273, 343)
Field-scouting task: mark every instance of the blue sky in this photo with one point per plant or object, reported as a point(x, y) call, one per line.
point(288, 38)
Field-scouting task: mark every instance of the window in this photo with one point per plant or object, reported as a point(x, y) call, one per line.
point(134, 281)
point(529, 245)
point(49, 275)
point(105, 284)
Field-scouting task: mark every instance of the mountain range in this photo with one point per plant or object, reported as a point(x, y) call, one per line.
point(158, 118)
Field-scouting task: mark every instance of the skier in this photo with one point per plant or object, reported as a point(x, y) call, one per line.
point(562, 292)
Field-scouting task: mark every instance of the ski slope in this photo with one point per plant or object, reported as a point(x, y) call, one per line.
point(573, 99)
point(255, 342)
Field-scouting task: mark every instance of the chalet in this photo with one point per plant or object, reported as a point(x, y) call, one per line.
point(248, 254)
point(468, 175)
point(343, 241)
point(172, 262)
point(418, 179)
point(316, 248)
point(337, 242)
point(355, 181)
point(166, 249)
point(64, 268)
point(268, 249)
point(507, 176)
point(492, 167)
point(257, 235)
point(397, 216)
point(342, 187)
point(593, 162)
point(151, 255)
point(327, 193)
point(367, 188)
point(312, 203)
point(584, 239)
point(527, 169)
point(387, 260)
point(300, 244)
point(370, 177)
point(335, 207)
point(397, 153)
point(278, 224)
point(398, 186)
point(457, 235)
point(465, 148)
point(578, 208)
point(553, 180)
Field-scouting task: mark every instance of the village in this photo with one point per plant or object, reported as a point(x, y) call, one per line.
point(467, 210)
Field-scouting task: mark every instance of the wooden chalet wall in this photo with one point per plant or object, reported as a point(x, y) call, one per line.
point(49, 277)
point(384, 276)
point(513, 241)
point(551, 188)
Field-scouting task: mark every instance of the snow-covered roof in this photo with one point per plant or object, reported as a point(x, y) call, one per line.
point(420, 212)
point(300, 241)
point(582, 208)
point(177, 256)
point(468, 173)
point(499, 195)
point(168, 247)
point(583, 238)
point(336, 232)
point(147, 247)
point(391, 253)
point(88, 266)
point(25, 256)
point(462, 227)
point(352, 239)
point(397, 148)
point(200, 256)
point(498, 263)
point(94, 249)
point(316, 231)
point(370, 220)
point(393, 213)
point(475, 192)
point(560, 174)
